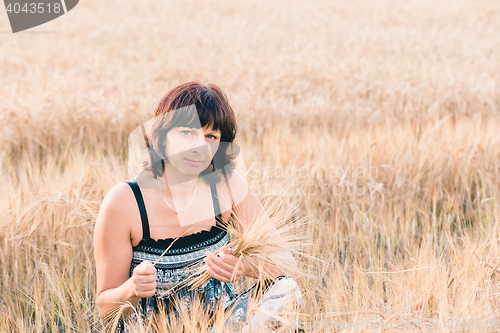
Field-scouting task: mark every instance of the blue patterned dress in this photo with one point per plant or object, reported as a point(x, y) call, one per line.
point(184, 256)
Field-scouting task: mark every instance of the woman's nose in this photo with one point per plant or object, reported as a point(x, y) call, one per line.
point(200, 145)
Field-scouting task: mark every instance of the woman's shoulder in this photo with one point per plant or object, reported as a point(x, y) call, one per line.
point(236, 179)
point(118, 203)
point(114, 223)
point(237, 185)
point(119, 193)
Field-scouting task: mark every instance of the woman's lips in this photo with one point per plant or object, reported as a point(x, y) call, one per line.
point(194, 162)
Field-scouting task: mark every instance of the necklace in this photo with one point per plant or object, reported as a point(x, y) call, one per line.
point(161, 191)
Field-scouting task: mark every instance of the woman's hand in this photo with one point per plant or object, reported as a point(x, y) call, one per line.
point(144, 279)
point(225, 267)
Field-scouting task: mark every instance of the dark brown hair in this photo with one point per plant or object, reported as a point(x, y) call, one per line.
point(194, 105)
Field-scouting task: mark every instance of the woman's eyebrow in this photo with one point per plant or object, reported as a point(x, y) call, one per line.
point(216, 133)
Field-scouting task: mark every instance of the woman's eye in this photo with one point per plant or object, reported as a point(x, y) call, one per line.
point(186, 132)
point(212, 136)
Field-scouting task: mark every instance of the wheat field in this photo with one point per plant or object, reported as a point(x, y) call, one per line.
point(380, 117)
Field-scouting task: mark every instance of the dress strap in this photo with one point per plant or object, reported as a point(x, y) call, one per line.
point(215, 201)
point(142, 208)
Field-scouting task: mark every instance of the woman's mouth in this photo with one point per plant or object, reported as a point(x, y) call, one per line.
point(194, 162)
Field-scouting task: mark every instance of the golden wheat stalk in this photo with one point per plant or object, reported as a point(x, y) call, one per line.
point(261, 239)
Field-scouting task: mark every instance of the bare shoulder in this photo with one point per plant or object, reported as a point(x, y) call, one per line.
point(235, 178)
point(119, 197)
point(112, 237)
point(117, 207)
point(238, 186)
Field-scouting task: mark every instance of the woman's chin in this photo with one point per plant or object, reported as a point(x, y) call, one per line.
point(192, 171)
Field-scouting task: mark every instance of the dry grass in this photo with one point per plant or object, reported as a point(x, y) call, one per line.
point(380, 117)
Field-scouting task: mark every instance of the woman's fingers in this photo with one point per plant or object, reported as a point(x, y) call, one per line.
point(217, 276)
point(223, 267)
point(235, 262)
point(144, 279)
point(230, 259)
point(224, 260)
point(144, 289)
point(217, 267)
point(145, 268)
point(219, 262)
point(145, 286)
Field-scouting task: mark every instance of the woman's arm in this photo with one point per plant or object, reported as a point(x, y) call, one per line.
point(248, 208)
point(113, 255)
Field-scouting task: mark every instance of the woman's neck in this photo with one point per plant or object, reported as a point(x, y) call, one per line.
point(178, 184)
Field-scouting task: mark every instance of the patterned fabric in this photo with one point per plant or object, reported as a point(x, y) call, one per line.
point(174, 269)
point(184, 257)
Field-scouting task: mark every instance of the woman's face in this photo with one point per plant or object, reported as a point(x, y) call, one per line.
point(191, 150)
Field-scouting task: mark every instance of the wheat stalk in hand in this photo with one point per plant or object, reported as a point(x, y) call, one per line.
point(261, 240)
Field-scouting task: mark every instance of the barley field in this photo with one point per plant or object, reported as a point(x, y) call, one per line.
point(381, 118)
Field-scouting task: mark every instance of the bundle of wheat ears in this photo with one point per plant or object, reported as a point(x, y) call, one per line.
point(260, 236)
point(261, 240)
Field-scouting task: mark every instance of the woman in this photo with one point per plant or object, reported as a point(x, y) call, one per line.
point(173, 213)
